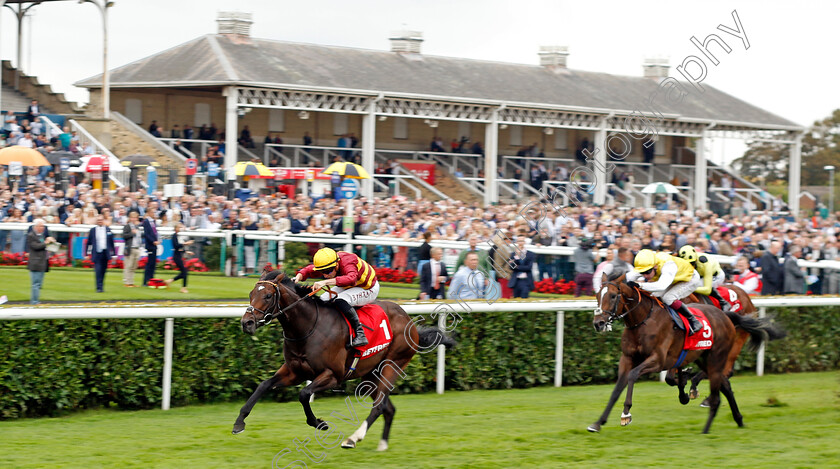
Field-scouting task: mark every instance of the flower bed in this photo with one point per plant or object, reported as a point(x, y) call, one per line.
point(384, 274)
point(8, 258)
point(560, 287)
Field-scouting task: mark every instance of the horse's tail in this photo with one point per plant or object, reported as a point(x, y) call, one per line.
point(760, 329)
point(433, 336)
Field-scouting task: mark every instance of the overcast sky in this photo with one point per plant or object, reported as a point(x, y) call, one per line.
point(789, 69)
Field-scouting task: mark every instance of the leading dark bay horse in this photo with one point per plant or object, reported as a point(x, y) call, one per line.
point(650, 344)
point(314, 338)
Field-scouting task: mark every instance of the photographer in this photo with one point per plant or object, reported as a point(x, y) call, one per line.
point(585, 258)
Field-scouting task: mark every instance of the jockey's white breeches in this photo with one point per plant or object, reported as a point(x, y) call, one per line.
point(355, 296)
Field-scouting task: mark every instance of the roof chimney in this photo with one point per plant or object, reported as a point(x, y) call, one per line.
point(406, 42)
point(553, 57)
point(234, 22)
point(656, 67)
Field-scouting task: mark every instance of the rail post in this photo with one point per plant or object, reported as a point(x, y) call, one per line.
point(168, 332)
point(759, 359)
point(441, 357)
point(558, 351)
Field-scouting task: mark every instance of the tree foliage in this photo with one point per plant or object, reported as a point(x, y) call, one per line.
point(768, 162)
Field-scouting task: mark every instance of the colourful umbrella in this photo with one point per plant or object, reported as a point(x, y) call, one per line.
point(660, 188)
point(247, 168)
point(347, 170)
point(26, 156)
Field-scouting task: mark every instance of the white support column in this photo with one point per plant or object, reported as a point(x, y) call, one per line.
point(2, 3)
point(700, 173)
point(600, 166)
point(441, 358)
point(558, 351)
point(759, 359)
point(166, 387)
point(231, 130)
point(491, 159)
point(795, 175)
point(368, 148)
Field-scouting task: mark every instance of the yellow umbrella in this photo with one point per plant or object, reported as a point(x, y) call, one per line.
point(26, 156)
point(247, 168)
point(347, 170)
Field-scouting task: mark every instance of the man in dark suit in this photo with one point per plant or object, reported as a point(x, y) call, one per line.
point(100, 247)
point(793, 275)
point(772, 274)
point(33, 111)
point(151, 241)
point(521, 279)
point(433, 276)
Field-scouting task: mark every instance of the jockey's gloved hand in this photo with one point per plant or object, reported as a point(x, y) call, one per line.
point(633, 284)
point(632, 276)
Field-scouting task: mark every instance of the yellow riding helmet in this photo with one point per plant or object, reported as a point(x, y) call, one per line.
point(645, 260)
point(688, 253)
point(325, 259)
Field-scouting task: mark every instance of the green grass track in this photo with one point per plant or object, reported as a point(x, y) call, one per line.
point(533, 428)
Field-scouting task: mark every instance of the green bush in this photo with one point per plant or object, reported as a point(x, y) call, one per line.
point(297, 257)
point(213, 253)
point(52, 366)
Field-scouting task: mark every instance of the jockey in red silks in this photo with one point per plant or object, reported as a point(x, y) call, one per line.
point(354, 280)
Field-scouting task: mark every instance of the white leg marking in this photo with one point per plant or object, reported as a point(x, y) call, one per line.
point(359, 434)
point(383, 445)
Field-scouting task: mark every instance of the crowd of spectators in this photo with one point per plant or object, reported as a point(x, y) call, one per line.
point(589, 230)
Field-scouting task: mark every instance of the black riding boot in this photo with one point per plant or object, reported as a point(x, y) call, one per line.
point(693, 324)
point(724, 305)
point(349, 312)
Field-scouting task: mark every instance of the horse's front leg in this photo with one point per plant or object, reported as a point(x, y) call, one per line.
point(624, 367)
point(651, 364)
point(284, 377)
point(324, 381)
point(695, 380)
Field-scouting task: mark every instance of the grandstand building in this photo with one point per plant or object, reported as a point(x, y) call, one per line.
point(398, 101)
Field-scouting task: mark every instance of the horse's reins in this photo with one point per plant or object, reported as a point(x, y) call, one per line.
point(275, 304)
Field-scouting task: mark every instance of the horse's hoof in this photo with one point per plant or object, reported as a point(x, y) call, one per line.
point(383, 445)
point(237, 428)
point(348, 444)
point(705, 403)
point(319, 424)
point(594, 428)
point(626, 419)
point(684, 399)
point(693, 394)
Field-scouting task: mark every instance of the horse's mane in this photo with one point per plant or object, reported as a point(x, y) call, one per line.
point(289, 282)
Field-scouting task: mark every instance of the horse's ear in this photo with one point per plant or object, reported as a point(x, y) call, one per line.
point(604, 279)
point(265, 272)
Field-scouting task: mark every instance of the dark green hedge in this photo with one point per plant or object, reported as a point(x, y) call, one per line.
point(47, 367)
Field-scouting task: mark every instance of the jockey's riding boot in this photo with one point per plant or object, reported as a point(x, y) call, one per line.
point(352, 316)
point(724, 305)
point(694, 325)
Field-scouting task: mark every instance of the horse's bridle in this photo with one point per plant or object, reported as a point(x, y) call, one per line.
point(612, 314)
point(269, 316)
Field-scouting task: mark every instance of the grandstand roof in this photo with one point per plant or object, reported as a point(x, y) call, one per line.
point(217, 60)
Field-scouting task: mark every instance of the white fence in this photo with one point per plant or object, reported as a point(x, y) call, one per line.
point(558, 307)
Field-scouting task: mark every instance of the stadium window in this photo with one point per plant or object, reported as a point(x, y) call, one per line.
point(339, 124)
point(515, 135)
point(134, 110)
point(276, 120)
point(202, 114)
point(464, 129)
point(560, 139)
point(401, 128)
point(659, 147)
